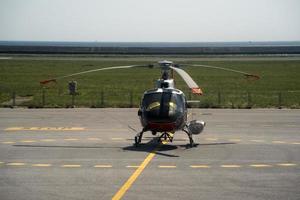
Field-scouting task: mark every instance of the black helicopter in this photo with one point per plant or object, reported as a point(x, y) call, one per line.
point(164, 109)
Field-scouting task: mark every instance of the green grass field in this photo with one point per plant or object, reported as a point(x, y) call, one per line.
point(279, 85)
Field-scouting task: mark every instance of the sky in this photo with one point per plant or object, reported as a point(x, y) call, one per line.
point(150, 20)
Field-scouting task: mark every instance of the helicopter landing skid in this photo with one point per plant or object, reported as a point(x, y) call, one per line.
point(138, 138)
point(190, 135)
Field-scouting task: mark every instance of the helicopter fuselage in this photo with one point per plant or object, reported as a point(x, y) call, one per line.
point(163, 110)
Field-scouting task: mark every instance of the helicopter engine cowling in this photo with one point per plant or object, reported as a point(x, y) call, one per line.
point(196, 127)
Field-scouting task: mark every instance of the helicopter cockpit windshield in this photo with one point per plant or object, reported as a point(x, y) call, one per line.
point(163, 106)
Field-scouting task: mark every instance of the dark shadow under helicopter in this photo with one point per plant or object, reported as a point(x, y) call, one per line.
point(149, 147)
point(160, 149)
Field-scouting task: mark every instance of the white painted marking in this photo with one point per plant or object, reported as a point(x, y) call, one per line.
point(41, 165)
point(15, 164)
point(287, 164)
point(71, 139)
point(278, 142)
point(71, 166)
point(94, 139)
point(230, 166)
point(47, 140)
point(260, 165)
point(28, 141)
point(200, 166)
point(166, 166)
point(8, 142)
point(102, 166)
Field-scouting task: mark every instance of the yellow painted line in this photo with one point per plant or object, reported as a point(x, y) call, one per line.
point(200, 166)
point(287, 164)
point(28, 141)
point(132, 166)
point(14, 129)
point(71, 139)
point(45, 129)
point(102, 166)
point(70, 166)
point(134, 176)
point(234, 140)
point(94, 139)
point(41, 165)
point(47, 140)
point(15, 164)
point(8, 142)
point(231, 166)
point(260, 165)
point(167, 166)
point(278, 142)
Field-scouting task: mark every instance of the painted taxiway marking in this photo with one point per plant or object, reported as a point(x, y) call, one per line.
point(47, 140)
point(71, 166)
point(27, 141)
point(15, 164)
point(200, 166)
point(8, 142)
point(44, 129)
point(167, 166)
point(120, 193)
point(260, 165)
point(71, 139)
point(103, 166)
point(41, 165)
point(287, 164)
point(278, 142)
point(230, 166)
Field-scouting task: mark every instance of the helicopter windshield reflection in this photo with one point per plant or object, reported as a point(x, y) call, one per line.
point(163, 106)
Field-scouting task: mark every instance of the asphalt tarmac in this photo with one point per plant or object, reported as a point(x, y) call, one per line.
point(88, 154)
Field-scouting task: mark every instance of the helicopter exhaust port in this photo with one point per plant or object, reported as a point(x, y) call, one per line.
point(196, 127)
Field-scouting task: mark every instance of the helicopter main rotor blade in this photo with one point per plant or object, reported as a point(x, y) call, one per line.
point(248, 75)
point(88, 71)
point(189, 81)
